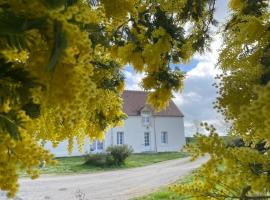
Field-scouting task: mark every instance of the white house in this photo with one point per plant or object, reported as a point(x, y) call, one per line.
point(144, 129)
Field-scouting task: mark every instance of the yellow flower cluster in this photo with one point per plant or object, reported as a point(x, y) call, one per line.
point(174, 6)
point(24, 154)
point(153, 55)
point(159, 98)
point(236, 4)
point(71, 103)
point(118, 9)
point(254, 119)
point(13, 55)
point(151, 59)
point(217, 177)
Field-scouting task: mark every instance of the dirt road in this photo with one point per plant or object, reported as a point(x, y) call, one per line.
point(118, 185)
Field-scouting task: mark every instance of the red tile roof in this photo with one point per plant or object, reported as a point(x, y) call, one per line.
point(134, 101)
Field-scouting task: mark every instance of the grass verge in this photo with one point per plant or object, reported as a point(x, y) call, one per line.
point(164, 193)
point(72, 165)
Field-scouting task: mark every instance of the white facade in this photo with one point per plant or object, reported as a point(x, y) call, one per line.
point(162, 134)
point(148, 138)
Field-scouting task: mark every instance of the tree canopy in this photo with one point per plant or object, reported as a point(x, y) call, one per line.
point(61, 69)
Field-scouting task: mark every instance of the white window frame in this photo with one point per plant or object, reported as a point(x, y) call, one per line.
point(164, 137)
point(97, 145)
point(146, 143)
point(100, 145)
point(120, 138)
point(93, 146)
point(146, 119)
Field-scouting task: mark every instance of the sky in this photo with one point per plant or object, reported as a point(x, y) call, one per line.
point(196, 99)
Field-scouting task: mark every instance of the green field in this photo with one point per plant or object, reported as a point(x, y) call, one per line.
point(69, 165)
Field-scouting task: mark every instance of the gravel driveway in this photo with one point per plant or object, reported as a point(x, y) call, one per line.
point(119, 184)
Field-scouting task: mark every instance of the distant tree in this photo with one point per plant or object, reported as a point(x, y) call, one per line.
point(197, 125)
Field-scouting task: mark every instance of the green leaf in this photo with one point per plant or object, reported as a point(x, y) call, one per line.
point(58, 3)
point(60, 43)
point(13, 28)
point(54, 3)
point(9, 125)
point(70, 3)
point(97, 34)
point(32, 110)
point(16, 82)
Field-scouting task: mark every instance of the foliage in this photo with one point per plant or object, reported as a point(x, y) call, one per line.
point(61, 68)
point(115, 155)
point(163, 194)
point(240, 169)
point(119, 153)
point(99, 159)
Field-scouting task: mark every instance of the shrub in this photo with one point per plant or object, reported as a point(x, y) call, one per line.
point(119, 153)
point(99, 159)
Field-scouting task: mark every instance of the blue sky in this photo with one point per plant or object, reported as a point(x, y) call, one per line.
point(196, 99)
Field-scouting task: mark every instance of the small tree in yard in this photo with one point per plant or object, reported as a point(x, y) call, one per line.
point(120, 153)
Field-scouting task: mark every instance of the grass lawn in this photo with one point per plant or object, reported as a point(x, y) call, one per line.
point(165, 193)
point(69, 165)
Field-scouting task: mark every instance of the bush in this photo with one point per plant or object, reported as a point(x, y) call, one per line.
point(99, 159)
point(116, 155)
point(119, 153)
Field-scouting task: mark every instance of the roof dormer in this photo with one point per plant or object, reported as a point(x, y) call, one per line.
point(146, 112)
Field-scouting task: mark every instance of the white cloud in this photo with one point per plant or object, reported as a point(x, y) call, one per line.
point(222, 10)
point(212, 54)
point(133, 80)
point(203, 69)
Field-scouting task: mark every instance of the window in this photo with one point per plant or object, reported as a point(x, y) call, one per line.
point(146, 120)
point(93, 146)
point(164, 137)
point(99, 145)
point(96, 145)
point(120, 138)
point(146, 139)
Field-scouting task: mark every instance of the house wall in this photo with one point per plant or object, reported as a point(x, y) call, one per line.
point(134, 134)
point(62, 149)
point(174, 126)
